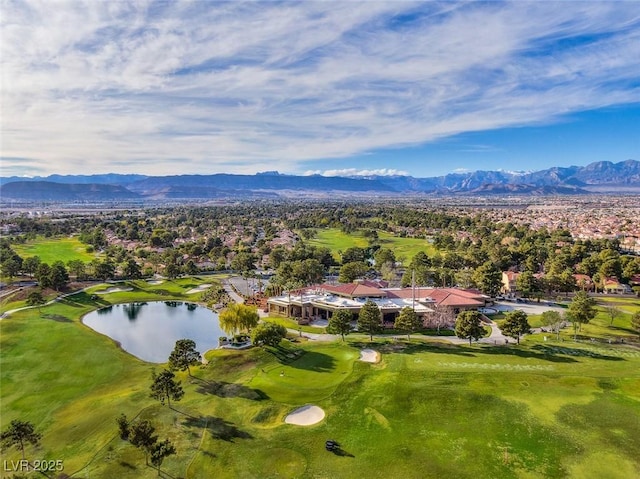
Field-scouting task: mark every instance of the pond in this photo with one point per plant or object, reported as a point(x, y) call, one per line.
point(150, 330)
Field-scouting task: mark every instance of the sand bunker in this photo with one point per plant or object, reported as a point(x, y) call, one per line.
point(199, 289)
point(155, 281)
point(114, 289)
point(305, 416)
point(369, 356)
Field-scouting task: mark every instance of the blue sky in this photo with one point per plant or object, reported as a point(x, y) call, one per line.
point(325, 87)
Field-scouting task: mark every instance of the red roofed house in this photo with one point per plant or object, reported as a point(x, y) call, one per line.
point(613, 286)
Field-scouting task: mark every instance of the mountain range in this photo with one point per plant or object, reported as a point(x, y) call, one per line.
point(601, 177)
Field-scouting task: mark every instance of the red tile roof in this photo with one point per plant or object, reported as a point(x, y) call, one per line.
point(441, 296)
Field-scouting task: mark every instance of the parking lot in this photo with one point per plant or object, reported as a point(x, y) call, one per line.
point(529, 308)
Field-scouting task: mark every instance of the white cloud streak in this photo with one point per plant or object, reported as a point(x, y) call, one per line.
point(357, 172)
point(201, 87)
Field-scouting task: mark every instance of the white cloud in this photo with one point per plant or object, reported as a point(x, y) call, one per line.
point(194, 87)
point(357, 172)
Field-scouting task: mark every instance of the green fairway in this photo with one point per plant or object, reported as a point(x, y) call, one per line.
point(602, 327)
point(404, 248)
point(552, 409)
point(50, 250)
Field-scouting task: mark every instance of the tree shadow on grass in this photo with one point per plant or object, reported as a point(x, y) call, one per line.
point(342, 453)
point(540, 352)
point(337, 449)
point(59, 318)
point(568, 351)
point(230, 390)
point(82, 300)
point(314, 361)
point(285, 355)
point(404, 347)
point(166, 292)
point(536, 352)
point(218, 428)
point(622, 329)
point(208, 453)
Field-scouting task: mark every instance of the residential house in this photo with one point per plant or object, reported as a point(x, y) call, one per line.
point(509, 279)
point(613, 286)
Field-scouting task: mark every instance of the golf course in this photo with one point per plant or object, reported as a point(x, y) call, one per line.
point(338, 241)
point(426, 409)
point(50, 250)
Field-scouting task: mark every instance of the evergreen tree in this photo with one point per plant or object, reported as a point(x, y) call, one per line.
point(340, 323)
point(408, 321)
point(515, 325)
point(159, 451)
point(369, 319)
point(581, 310)
point(43, 275)
point(165, 387)
point(488, 278)
point(184, 354)
point(352, 271)
point(131, 269)
point(124, 426)
point(469, 326)
point(19, 434)
point(141, 436)
point(36, 298)
point(59, 275)
point(30, 265)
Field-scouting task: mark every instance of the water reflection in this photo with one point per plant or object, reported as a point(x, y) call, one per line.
point(132, 310)
point(150, 330)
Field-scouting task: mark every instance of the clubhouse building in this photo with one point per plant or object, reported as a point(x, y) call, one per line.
point(320, 301)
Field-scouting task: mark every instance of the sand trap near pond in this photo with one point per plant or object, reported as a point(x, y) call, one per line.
point(199, 289)
point(305, 416)
point(114, 289)
point(369, 356)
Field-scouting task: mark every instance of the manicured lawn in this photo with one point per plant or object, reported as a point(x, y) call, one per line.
point(404, 248)
point(601, 327)
point(291, 324)
point(55, 249)
point(553, 409)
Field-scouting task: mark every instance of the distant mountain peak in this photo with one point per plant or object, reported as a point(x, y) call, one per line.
point(601, 176)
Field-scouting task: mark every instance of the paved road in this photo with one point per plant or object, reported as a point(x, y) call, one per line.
point(58, 298)
point(235, 296)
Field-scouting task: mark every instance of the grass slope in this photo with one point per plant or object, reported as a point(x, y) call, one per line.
point(558, 410)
